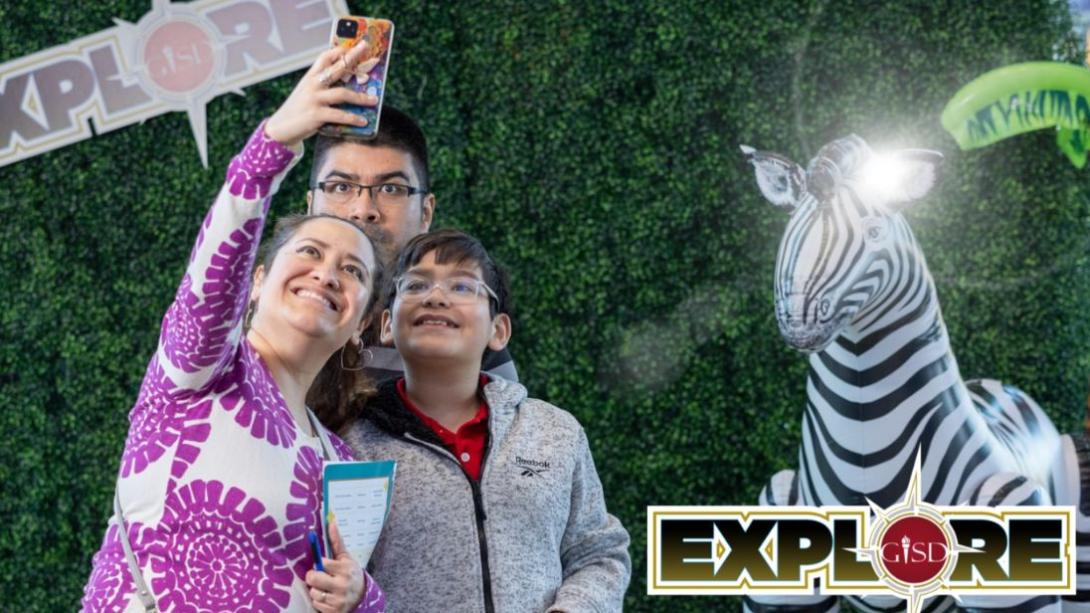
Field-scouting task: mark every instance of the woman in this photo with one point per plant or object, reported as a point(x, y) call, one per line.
point(220, 480)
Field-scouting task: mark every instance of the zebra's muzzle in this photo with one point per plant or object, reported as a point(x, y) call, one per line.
point(806, 336)
point(809, 343)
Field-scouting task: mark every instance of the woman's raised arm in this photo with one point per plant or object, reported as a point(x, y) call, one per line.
point(203, 326)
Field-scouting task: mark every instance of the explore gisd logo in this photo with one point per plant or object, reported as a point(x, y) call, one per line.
point(177, 57)
point(913, 550)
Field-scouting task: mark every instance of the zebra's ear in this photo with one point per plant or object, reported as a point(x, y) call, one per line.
point(781, 181)
point(919, 170)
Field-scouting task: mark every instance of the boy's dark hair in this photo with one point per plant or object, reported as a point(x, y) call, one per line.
point(453, 246)
point(395, 129)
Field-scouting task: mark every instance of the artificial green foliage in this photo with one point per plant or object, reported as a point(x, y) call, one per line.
point(593, 147)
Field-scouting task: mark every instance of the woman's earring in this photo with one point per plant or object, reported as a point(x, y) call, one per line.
point(360, 361)
point(249, 316)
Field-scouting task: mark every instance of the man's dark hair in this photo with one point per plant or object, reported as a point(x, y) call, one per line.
point(395, 129)
point(455, 247)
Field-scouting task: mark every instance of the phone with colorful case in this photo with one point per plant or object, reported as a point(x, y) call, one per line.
point(370, 76)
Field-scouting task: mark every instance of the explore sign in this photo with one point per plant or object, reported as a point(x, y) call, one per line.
point(912, 550)
point(176, 58)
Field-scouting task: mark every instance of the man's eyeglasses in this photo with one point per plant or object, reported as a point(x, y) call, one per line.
point(459, 290)
point(393, 194)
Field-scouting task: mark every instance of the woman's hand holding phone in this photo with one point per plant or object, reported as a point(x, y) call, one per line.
point(312, 103)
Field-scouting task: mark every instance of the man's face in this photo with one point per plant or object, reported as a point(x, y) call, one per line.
point(390, 226)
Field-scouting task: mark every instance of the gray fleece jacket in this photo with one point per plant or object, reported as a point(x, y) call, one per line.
point(532, 535)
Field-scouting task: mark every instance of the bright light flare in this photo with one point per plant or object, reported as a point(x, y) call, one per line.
point(885, 174)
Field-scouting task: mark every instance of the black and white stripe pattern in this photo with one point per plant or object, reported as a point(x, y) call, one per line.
point(853, 289)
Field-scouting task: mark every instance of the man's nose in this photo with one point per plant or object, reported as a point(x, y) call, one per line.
point(364, 208)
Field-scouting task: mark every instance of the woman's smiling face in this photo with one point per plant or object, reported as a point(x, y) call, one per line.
point(318, 283)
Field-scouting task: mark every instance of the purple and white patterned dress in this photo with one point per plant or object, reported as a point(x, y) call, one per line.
point(218, 484)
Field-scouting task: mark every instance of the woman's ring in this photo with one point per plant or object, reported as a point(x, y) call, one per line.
point(325, 76)
point(322, 596)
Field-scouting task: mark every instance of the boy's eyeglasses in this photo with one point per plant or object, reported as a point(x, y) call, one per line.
point(458, 290)
point(393, 194)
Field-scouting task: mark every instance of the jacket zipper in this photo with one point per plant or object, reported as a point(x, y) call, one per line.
point(478, 512)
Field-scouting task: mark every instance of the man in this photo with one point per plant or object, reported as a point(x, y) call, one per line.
point(382, 186)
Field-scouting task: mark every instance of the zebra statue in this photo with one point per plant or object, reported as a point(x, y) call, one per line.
point(852, 289)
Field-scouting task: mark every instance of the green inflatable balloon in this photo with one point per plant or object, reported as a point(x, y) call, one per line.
point(1020, 98)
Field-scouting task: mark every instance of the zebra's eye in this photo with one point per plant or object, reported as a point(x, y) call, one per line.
point(824, 306)
point(874, 230)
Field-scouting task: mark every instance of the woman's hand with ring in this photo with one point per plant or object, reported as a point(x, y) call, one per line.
point(312, 103)
point(340, 588)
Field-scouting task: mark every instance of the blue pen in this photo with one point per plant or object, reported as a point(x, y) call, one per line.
point(313, 538)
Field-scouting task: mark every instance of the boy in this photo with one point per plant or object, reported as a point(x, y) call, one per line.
point(497, 505)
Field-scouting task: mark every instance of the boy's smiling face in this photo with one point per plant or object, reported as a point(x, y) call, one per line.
point(436, 326)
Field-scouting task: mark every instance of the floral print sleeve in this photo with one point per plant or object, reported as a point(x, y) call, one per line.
point(203, 326)
point(374, 600)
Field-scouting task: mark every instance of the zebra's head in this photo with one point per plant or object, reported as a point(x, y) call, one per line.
point(840, 248)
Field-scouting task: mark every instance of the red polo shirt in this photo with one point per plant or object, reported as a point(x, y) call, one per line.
point(467, 444)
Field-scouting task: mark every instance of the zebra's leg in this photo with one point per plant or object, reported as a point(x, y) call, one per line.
point(1009, 489)
point(1075, 490)
point(783, 490)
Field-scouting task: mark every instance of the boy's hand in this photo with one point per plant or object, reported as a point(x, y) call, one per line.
point(312, 103)
point(341, 586)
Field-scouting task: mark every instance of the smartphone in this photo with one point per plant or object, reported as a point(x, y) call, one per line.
point(378, 35)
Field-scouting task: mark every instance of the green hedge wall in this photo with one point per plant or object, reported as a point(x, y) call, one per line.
point(593, 147)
